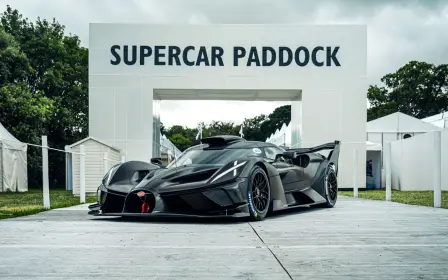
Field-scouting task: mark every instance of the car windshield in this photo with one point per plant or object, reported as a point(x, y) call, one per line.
point(212, 157)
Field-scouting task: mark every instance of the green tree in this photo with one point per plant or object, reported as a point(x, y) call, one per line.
point(418, 89)
point(188, 136)
point(281, 115)
point(257, 128)
point(252, 128)
point(162, 129)
point(180, 141)
point(14, 65)
point(24, 114)
point(261, 127)
point(57, 66)
point(221, 128)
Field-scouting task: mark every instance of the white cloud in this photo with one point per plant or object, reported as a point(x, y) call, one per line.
point(198, 19)
point(398, 31)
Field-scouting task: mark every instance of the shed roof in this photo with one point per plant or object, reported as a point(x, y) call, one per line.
point(399, 123)
point(96, 140)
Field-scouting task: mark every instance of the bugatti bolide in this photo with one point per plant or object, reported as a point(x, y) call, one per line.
point(223, 176)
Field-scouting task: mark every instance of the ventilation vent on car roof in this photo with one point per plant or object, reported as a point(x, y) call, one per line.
point(221, 140)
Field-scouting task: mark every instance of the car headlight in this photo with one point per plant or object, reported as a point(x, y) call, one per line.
point(229, 172)
point(101, 193)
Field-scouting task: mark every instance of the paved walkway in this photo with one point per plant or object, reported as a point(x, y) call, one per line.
point(358, 239)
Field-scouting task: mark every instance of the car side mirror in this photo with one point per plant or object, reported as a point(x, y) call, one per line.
point(157, 161)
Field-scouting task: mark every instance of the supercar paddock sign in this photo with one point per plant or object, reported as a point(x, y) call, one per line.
point(161, 55)
point(320, 69)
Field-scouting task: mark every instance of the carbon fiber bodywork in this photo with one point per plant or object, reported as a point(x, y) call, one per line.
point(296, 178)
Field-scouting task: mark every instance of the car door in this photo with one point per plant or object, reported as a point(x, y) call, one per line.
point(289, 174)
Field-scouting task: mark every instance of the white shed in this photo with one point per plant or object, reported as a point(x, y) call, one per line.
point(396, 126)
point(94, 163)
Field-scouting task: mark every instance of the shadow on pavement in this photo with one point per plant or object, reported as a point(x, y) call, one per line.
point(214, 220)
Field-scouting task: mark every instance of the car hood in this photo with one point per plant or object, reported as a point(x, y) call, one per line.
point(178, 178)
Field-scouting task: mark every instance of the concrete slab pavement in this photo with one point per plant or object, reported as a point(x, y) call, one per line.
point(358, 239)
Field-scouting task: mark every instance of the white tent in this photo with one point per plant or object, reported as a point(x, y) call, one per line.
point(440, 120)
point(166, 146)
point(281, 137)
point(396, 126)
point(370, 146)
point(13, 163)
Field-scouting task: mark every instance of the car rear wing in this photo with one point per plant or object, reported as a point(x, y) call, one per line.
point(332, 157)
point(328, 146)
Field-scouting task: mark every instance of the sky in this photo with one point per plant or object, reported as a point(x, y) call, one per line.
point(398, 31)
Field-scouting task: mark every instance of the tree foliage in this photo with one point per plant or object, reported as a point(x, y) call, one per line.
point(418, 89)
point(257, 128)
point(44, 81)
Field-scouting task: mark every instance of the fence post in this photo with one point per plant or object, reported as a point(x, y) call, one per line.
point(82, 174)
point(437, 169)
point(105, 162)
point(45, 181)
point(388, 168)
point(122, 159)
point(355, 172)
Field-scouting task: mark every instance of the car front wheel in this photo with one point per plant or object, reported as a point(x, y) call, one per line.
point(258, 193)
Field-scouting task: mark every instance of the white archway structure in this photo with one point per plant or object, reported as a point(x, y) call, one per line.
point(132, 67)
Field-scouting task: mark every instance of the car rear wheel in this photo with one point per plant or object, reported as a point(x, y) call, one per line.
point(258, 193)
point(331, 187)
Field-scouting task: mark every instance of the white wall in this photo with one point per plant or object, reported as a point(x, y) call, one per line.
point(94, 164)
point(296, 123)
point(333, 97)
point(412, 162)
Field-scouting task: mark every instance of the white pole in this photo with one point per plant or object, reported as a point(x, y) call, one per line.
point(355, 172)
point(105, 162)
point(122, 159)
point(67, 151)
point(82, 174)
point(437, 167)
point(46, 188)
point(388, 168)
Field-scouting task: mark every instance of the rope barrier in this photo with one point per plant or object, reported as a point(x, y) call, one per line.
point(39, 146)
point(72, 152)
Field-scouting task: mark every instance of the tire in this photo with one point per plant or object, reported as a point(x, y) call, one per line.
point(258, 194)
point(331, 187)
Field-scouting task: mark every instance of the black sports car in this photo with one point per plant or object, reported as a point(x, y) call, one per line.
point(223, 176)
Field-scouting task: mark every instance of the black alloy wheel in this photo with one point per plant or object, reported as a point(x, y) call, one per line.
point(331, 185)
point(259, 195)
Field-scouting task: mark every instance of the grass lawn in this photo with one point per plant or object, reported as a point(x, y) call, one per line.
point(31, 202)
point(423, 198)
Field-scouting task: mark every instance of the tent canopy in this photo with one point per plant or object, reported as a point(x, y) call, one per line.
point(370, 146)
point(439, 120)
point(399, 123)
point(13, 163)
point(166, 146)
point(283, 138)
